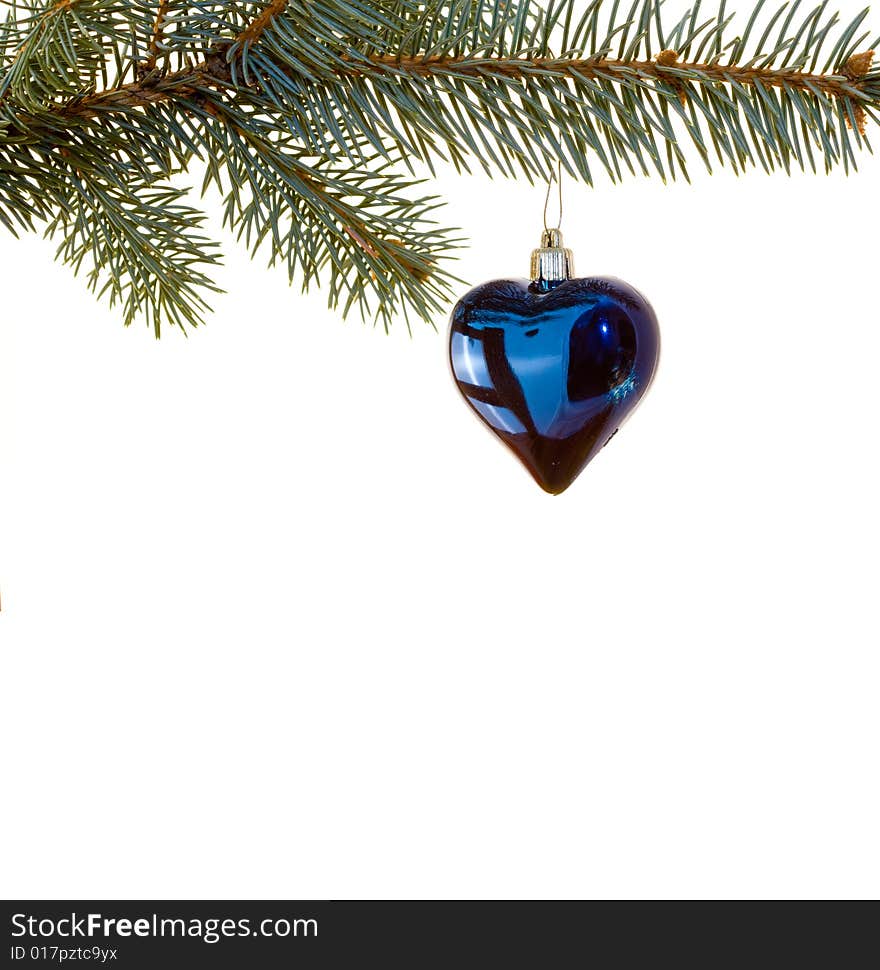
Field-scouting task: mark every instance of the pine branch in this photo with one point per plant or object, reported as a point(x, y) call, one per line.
point(854, 83)
point(319, 216)
point(304, 110)
point(139, 241)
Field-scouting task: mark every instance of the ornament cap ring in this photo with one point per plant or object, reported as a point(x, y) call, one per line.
point(551, 261)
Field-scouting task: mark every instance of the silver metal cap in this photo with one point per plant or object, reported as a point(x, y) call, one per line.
point(551, 262)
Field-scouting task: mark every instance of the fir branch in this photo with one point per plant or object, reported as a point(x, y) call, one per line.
point(303, 110)
point(211, 74)
point(379, 250)
point(139, 241)
point(462, 104)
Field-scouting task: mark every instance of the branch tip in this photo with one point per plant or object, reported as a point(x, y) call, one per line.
point(667, 58)
point(858, 65)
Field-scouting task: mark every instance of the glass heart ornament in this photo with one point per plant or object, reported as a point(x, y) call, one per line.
point(554, 365)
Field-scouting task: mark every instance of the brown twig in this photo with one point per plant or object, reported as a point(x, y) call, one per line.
point(256, 27)
point(156, 38)
point(663, 68)
point(215, 73)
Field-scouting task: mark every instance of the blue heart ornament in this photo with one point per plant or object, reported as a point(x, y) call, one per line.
point(554, 367)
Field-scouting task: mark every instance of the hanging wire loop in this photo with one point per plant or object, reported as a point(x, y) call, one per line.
point(557, 178)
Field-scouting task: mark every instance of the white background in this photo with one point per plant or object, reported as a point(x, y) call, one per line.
point(281, 619)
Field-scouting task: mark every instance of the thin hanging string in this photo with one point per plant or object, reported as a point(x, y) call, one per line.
point(558, 180)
